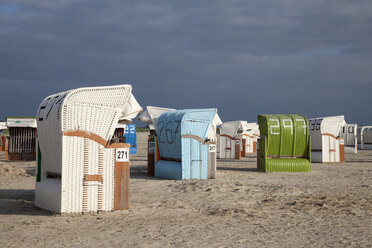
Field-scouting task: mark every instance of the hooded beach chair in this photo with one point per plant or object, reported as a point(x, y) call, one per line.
point(284, 144)
point(79, 168)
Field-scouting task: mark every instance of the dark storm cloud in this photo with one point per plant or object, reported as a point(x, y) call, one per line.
point(244, 57)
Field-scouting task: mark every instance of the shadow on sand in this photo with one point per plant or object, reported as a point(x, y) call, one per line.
point(244, 160)
point(358, 161)
point(140, 172)
point(19, 202)
point(238, 169)
point(138, 158)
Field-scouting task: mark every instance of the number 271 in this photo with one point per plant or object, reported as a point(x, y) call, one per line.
point(122, 154)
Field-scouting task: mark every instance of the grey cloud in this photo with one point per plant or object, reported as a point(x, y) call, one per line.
point(245, 57)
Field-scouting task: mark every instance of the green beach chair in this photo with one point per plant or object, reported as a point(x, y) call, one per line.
point(285, 143)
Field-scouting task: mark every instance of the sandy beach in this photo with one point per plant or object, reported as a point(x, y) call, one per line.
point(329, 207)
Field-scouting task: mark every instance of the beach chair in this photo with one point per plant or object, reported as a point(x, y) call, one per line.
point(79, 168)
point(186, 144)
point(284, 144)
point(150, 116)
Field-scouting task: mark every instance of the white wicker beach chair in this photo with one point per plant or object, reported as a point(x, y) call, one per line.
point(237, 139)
point(78, 168)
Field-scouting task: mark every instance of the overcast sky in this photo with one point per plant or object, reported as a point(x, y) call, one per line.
point(243, 57)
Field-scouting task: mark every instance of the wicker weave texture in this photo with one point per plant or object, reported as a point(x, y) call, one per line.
point(68, 160)
point(325, 138)
point(232, 131)
point(48, 195)
point(227, 147)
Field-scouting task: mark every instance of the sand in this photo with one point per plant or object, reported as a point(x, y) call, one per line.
point(329, 207)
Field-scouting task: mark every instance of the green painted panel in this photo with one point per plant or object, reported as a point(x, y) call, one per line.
point(301, 138)
point(38, 175)
point(288, 164)
point(287, 134)
point(284, 144)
